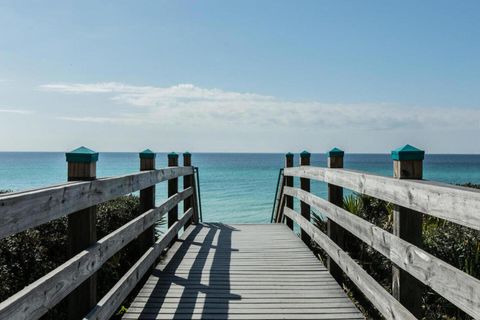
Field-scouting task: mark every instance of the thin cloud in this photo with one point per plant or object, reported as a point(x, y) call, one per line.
point(193, 105)
point(15, 111)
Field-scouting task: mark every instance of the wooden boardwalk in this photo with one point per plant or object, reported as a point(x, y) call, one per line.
point(241, 271)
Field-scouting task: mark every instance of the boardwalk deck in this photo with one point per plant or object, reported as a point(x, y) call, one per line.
point(241, 271)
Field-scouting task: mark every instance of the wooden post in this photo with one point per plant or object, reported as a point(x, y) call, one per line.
point(305, 185)
point(147, 201)
point(81, 231)
point(407, 224)
point(172, 189)
point(335, 196)
point(289, 183)
point(188, 182)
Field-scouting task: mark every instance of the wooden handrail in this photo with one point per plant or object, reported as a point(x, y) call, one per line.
point(380, 298)
point(36, 299)
point(113, 299)
point(453, 284)
point(460, 205)
point(24, 210)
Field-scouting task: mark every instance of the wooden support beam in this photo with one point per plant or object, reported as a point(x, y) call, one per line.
point(147, 201)
point(407, 225)
point(305, 207)
point(81, 230)
point(172, 189)
point(188, 182)
point(335, 196)
point(289, 183)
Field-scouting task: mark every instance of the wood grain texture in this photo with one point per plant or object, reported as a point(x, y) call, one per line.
point(288, 181)
point(22, 210)
point(187, 182)
point(81, 234)
point(107, 306)
point(455, 285)
point(241, 271)
point(408, 225)
point(457, 204)
point(334, 231)
point(375, 293)
point(37, 298)
point(147, 202)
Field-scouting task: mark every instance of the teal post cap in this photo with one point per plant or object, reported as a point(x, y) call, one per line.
point(147, 154)
point(186, 153)
point(335, 152)
point(289, 155)
point(82, 154)
point(408, 152)
point(304, 154)
point(173, 155)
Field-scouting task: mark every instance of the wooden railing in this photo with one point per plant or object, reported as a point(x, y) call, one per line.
point(23, 210)
point(456, 204)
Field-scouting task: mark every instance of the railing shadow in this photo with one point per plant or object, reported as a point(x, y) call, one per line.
point(216, 295)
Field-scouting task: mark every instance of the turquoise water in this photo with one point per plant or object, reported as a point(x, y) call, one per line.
point(236, 188)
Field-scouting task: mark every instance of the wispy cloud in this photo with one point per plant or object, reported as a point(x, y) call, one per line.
point(16, 111)
point(192, 105)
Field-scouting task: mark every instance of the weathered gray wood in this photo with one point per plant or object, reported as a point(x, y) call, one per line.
point(334, 231)
point(407, 225)
point(457, 204)
point(114, 298)
point(455, 285)
point(22, 210)
point(377, 295)
point(304, 207)
point(37, 298)
point(288, 201)
point(219, 271)
point(147, 202)
point(188, 182)
point(172, 189)
point(298, 316)
point(81, 234)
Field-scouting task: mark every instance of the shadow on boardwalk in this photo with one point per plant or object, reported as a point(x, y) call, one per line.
point(181, 277)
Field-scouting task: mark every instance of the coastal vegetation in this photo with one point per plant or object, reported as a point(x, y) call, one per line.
point(28, 255)
point(455, 244)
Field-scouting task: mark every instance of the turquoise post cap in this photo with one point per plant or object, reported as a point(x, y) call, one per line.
point(82, 154)
point(335, 152)
point(173, 155)
point(305, 154)
point(147, 154)
point(186, 153)
point(408, 152)
point(289, 155)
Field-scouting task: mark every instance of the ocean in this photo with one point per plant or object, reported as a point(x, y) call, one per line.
point(235, 187)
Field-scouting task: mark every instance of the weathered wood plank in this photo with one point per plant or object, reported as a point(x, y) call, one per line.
point(205, 274)
point(22, 210)
point(457, 204)
point(377, 295)
point(37, 298)
point(246, 310)
point(298, 316)
point(455, 285)
point(81, 234)
point(113, 299)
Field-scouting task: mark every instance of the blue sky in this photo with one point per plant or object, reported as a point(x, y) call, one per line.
point(263, 76)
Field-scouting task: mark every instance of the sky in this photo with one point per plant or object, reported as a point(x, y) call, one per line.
point(240, 76)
